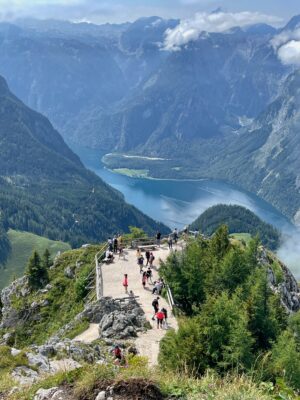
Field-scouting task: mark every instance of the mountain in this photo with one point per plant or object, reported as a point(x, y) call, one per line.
point(239, 220)
point(114, 88)
point(268, 159)
point(208, 89)
point(44, 187)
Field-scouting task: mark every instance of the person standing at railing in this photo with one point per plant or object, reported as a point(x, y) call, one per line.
point(158, 237)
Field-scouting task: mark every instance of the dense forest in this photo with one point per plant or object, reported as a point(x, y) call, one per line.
point(45, 189)
point(4, 242)
point(231, 319)
point(239, 220)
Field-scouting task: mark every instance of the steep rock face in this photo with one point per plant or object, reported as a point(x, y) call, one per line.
point(264, 156)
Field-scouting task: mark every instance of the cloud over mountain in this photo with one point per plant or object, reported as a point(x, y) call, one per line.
point(190, 29)
point(287, 46)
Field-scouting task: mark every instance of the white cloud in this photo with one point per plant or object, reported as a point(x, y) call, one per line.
point(289, 53)
point(287, 47)
point(190, 29)
point(285, 37)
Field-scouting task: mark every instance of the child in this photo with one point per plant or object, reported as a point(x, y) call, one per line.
point(125, 283)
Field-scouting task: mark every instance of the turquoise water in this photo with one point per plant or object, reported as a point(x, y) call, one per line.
point(178, 203)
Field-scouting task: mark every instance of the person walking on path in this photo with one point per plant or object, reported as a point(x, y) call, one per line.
point(160, 318)
point(151, 259)
point(125, 283)
point(149, 275)
point(141, 263)
point(158, 237)
point(155, 305)
point(144, 279)
point(170, 242)
point(164, 310)
point(147, 254)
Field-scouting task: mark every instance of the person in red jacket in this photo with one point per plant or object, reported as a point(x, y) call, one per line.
point(125, 283)
point(160, 316)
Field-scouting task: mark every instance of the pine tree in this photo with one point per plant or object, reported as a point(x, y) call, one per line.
point(36, 272)
point(220, 242)
point(46, 260)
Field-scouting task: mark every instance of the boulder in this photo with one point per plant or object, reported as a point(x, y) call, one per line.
point(118, 325)
point(38, 361)
point(25, 375)
point(101, 396)
point(69, 272)
point(49, 394)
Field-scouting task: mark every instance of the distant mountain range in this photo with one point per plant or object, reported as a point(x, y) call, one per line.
point(224, 106)
point(45, 189)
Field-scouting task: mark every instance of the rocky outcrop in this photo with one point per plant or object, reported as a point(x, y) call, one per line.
point(116, 319)
point(11, 316)
point(287, 287)
point(51, 394)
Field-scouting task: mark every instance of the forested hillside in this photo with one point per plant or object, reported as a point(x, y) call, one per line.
point(239, 220)
point(235, 314)
point(44, 187)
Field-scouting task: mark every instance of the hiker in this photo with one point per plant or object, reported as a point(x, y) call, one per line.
point(175, 235)
point(164, 310)
point(121, 252)
point(170, 242)
point(115, 244)
point(117, 353)
point(141, 263)
point(155, 305)
point(110, 244)
point(158, 237)
point(125, 283)
point(149, 275)
point(109, 255)
point(119, 357)
point(151, 259)
point(160, 317)
point(138, 253)
point(144, 279)
point(158, 285)
point(147, 254)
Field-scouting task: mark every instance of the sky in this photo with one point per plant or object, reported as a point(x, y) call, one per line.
point(101, 11)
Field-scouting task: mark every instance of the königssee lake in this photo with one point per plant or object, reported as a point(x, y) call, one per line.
point(177, 203)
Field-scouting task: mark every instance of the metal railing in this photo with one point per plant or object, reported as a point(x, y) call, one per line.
point(99, 277)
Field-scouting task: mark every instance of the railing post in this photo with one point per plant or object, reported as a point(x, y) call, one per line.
point(99, 278)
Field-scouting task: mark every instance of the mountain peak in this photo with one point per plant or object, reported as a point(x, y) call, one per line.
point(293, 23)
point(3, 86)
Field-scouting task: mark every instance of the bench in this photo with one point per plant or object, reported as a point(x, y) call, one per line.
point(148, 247)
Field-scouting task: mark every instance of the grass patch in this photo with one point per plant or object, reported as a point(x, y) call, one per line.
point(63, 300)
point(132, 173)
point(242, 237)
point(22, 246)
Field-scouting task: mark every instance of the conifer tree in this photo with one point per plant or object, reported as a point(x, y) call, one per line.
point(46, 260)
point(36, 272)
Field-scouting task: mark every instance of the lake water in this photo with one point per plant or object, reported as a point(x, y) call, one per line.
point(178, 203)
